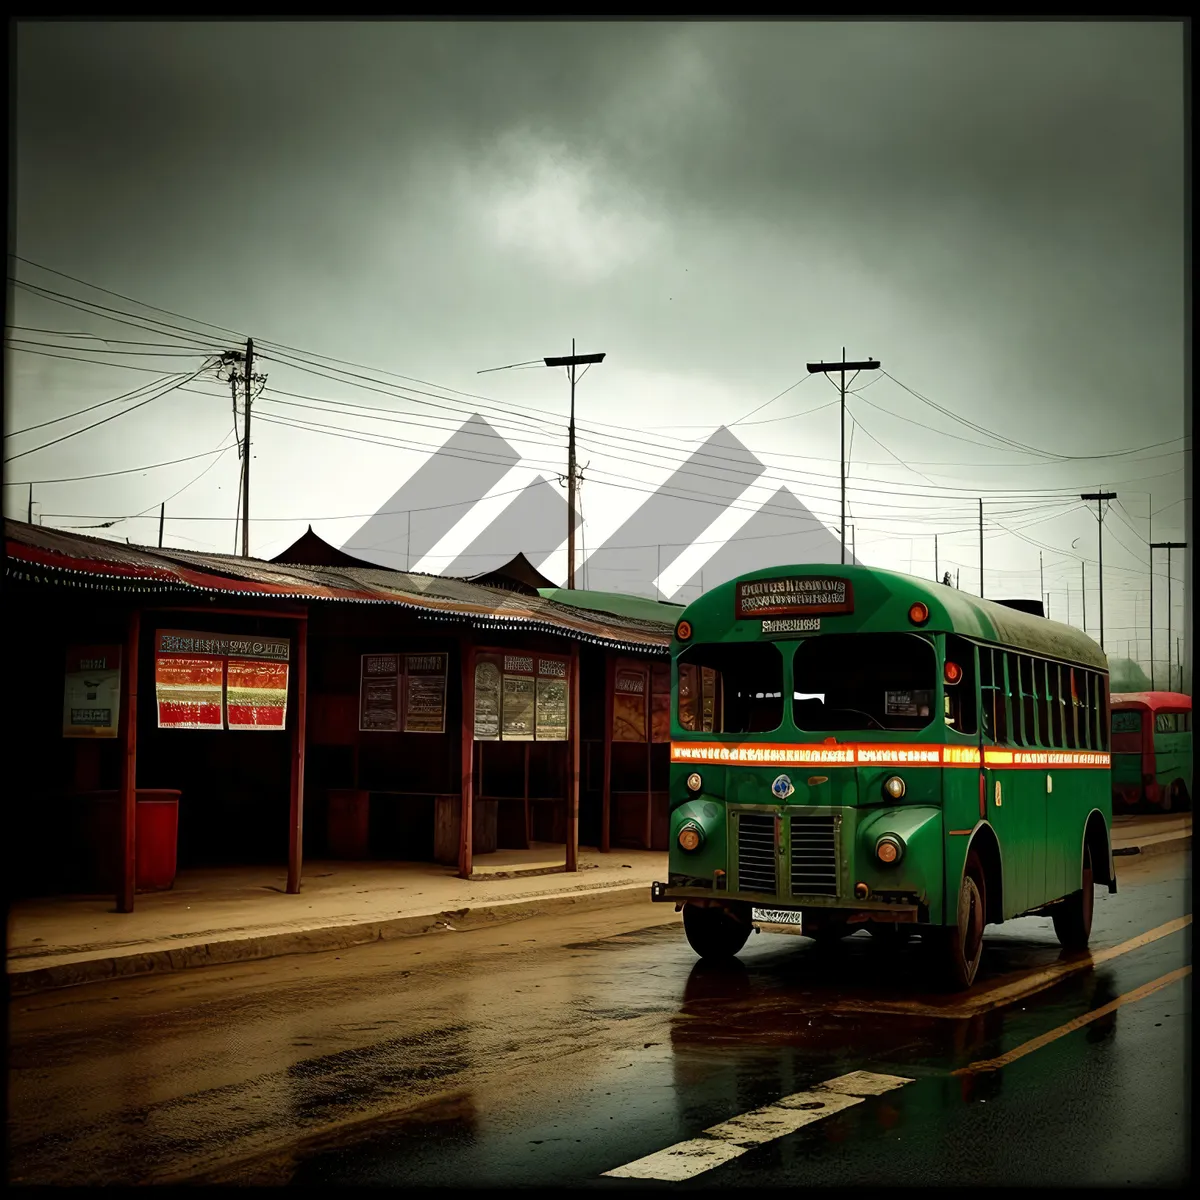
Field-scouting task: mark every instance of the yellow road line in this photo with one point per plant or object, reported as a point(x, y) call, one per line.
point(994, 1064)
point(1017, 989)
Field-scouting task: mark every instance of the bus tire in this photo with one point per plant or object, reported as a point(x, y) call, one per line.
point(1073, 917)
point(1180, 801)
point(714, 932)
point(959, 947)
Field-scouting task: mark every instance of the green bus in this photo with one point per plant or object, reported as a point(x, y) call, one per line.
point(856, 747)
point(1152, 751)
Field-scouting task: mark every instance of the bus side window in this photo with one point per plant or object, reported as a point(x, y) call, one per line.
point(1070, 678)
point(1165, 723)
point(1029, 729)
point(1056, 705)
point(960, 712)
point(1005, 685)
point(1041, 697)
point(1105, 712)
point(1087, 714)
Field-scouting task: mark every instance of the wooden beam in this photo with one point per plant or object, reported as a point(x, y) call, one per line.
point(128, 825)
point(296, 804)
point(573, 782)
point(466, 651)
point(610, 685)
point(649, 677)
point(216, 610)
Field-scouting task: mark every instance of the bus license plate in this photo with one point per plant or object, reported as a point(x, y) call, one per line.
point(777, 916)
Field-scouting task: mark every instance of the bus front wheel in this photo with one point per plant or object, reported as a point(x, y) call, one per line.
point(714, 931)
point(959, 947)
point(1073, 917)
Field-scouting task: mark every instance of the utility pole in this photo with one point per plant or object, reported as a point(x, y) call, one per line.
point(1083, 591)
point(571, 361)
point(246, 453)
point(852, 544)
point(936, 574)
point(1168, 547)
point(29, 516)
point(869, 364)
point(981, 547)
point(162, 516)
point(1150, 543)
point(1099, 498)
point(1041, 575)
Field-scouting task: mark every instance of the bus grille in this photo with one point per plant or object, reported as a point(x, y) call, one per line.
point(814, 856)
point(756, 853)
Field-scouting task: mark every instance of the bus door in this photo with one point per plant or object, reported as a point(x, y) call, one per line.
point(1005, 805)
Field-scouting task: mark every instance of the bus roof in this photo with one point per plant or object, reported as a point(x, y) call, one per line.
point(887, 596)
point(1153, 701)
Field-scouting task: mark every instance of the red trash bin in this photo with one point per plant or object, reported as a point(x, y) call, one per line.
point(98, 840)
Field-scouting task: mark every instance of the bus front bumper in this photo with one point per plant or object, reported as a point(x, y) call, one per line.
point(870, 909)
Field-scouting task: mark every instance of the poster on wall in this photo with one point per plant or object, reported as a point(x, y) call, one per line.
point(379, 694)
point(425, 693)
point(517, 709)
point(92, 692)
point(487, 701)
point(629, 706)
point(220, 681)
point(552, 700)
point(255, 693)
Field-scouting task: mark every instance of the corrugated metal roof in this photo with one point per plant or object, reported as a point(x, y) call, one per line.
point(615, 603)
point(32, 550)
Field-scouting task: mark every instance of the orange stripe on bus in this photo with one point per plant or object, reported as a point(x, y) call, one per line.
point(881, 754)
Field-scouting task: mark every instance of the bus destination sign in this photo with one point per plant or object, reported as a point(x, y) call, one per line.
point(794, 596)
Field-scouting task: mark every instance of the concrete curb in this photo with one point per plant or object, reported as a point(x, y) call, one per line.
point(25, 982)
point(1159, 845)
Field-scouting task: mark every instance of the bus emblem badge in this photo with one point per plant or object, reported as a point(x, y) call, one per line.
point(782, 787)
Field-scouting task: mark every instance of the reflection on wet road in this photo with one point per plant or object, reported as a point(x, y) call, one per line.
point(554, 1051)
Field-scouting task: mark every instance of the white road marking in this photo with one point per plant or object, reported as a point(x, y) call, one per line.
point(726, 1141)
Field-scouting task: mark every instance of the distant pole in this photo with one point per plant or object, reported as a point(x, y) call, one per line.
point(1047, 595)
point(1068, 591)
point(981, 547)
point(162, 517)
point(852, 543)
point(1083, 591)
point(842, 367)
point(937, 577)
point(1041, 574)
point(1150, 543)
point(1178, 662)
point(246, 452)
point(1168, 547)
point(29, 517)
point(1099, 498)
point(571, 361)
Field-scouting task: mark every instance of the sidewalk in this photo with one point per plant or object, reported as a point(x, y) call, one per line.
point(238, 914)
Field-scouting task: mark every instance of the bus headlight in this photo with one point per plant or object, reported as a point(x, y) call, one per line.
point(691, 836)
point(894, 786)
point(889, 849)
point(694, 782)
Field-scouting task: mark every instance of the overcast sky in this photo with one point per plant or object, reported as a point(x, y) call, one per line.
point(995, 211)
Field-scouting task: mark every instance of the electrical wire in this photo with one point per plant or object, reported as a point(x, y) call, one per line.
point(92, 407)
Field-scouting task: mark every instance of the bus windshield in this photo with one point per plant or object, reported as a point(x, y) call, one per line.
point(867, 681)
point(731, 688)
point(1127, 731)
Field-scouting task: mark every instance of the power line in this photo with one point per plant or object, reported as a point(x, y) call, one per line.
point(104, 420)
point(108, 474)
point(91, 407)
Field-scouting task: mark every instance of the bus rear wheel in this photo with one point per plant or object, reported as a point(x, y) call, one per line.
point(714, 931)
point(959, 947)
point(1073, 917)
point(1179, 800)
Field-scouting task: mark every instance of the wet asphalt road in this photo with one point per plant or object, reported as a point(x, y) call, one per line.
point(549, 1051)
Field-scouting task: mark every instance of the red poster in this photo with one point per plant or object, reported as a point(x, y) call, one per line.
point(255, 694)
point(189, 692)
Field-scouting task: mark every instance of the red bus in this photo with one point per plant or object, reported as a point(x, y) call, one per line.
point(1152, 750)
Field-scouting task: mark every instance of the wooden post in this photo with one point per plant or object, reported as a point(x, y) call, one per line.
point(528, 815)
point(467, 757)
point(649, 757)
point(296, 803)
point(128, 826)
point(573, 783)
point(610, 684)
